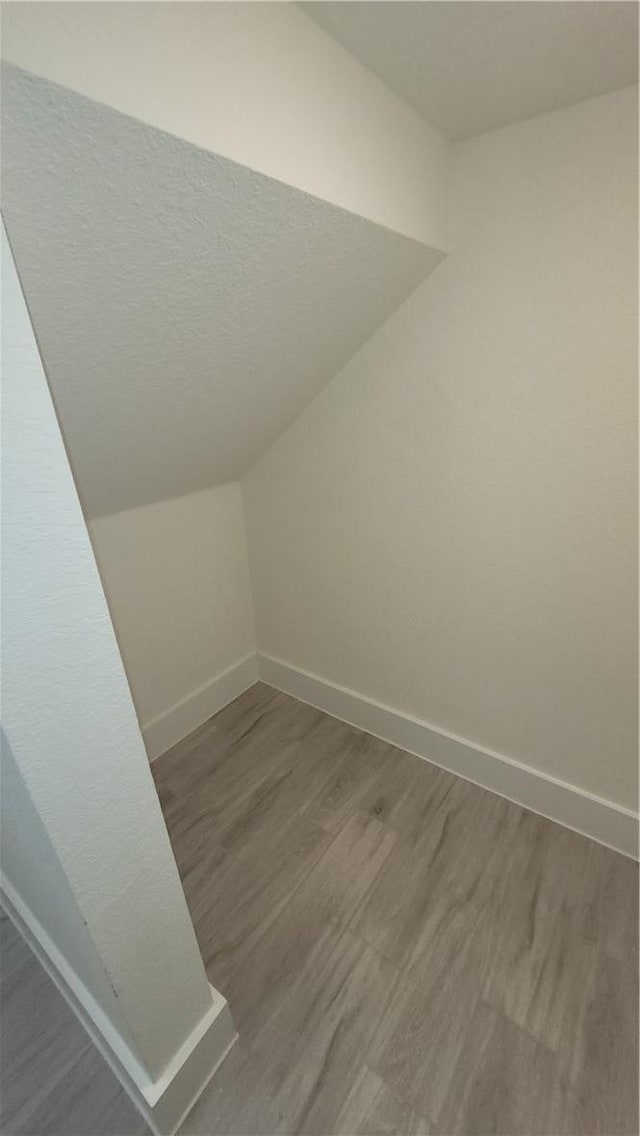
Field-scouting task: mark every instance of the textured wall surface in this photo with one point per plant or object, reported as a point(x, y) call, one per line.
point(451, 527)
point(186, 308)
point(258, 83)
point(71, 727)
point(30, 865)
point(176, 577)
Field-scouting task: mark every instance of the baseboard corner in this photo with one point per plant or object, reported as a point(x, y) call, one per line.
point(174, 724)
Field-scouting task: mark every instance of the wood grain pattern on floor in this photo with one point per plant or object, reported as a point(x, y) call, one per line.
point(404, 953)
point(54, 1081)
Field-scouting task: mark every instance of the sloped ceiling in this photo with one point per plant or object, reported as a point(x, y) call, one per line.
point(187, 308)
point(475, 65)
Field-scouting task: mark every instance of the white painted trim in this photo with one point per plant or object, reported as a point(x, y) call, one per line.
point(98, 1026)
point(175, 723)
point(596, 817)
point(163, 1103)
point(192, 1067)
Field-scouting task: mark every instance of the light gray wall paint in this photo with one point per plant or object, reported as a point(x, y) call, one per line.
point(474, 66)
point(260, 84)
point(187, 308)
point(30, 865)
point(451, 527)
point(71, 727)
point(176, 576)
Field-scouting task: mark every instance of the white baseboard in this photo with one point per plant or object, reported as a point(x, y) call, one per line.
point(175, 723)
point(173, 1096)
point(163, 1103)
point(596, 817)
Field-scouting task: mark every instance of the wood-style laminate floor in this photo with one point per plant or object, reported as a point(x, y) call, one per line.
point(54, 1082)
point(403, 952)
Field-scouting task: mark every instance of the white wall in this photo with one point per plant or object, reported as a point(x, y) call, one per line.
point(71, 728)
point(176, 578)
point(259, 83)
point(450, 527)
point(32, 869)
point(186, 324)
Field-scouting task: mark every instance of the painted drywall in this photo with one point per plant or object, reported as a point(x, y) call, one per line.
point(71, 727)
point(451, 527)
point(261, 84)
point(187, 308)
point(476, 65)
point(176, 578)
point(31, 867)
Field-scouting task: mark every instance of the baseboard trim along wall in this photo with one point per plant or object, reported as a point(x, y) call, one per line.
point(596, 817)
point(166, 1102)
point(175, 723)
point(600, 819)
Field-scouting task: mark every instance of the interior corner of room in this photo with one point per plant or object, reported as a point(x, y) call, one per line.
point(341, 400)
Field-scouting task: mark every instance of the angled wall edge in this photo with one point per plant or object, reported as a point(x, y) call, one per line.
point(166, 1102)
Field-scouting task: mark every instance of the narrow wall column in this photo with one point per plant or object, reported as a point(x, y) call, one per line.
point(76, 759)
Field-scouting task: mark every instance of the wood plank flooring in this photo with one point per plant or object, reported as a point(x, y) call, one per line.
point(404, 953)
point(54, 1081)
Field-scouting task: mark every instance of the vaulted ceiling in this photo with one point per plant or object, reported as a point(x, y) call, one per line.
point(475, 65)
point(186, 308)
